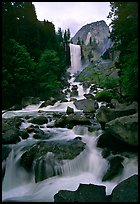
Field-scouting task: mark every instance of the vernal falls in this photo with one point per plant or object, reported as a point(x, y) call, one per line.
point(88, 167)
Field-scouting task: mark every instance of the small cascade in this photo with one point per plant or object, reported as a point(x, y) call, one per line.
point(75, 53)
point(88, 167)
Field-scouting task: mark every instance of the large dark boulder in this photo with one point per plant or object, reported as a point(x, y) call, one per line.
point(6, 149)
point(105, 114)
point(10, 130)
point(69, 110)
point(43, 155)
point(40, 120)
point(87, 105)
point(49, 102)
point(29, 100)
point(84, 193)
point(72, 120)
point(11, 122)
point(114, 144)
point(115, 168)
point(11, 136)
point(124, 128)
point(126, 191)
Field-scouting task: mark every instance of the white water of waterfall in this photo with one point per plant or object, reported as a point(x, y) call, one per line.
point(86, 168)
point(75, 53)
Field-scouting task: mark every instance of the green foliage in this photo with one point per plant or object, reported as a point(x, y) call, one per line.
point(105, 95)
point(49, 74)
point(124, 16)
point(129, 72)
point(25, 38)
point(109, 82)
point(18, 74)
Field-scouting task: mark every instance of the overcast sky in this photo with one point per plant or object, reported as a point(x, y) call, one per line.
point(72, 15)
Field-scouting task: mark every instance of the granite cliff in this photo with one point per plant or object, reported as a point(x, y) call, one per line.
point(94, 40)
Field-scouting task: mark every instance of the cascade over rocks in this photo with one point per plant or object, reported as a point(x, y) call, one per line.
point(37, 153)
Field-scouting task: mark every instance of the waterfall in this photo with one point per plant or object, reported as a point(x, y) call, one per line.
point(75, 53)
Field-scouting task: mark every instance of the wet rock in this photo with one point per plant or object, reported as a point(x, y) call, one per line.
point(24, 134)
point(84, 193)
point(72, 120)
point(115, 168)
point(39, 120)
point(89, 96)
point(29, 101)
point(64, 100)
point(87, 105)
point(61, 149)
point(74, 93)
point(86, 84)
point(6, 149)
point(69, 110)
point(105, 153)
point(124, 128)
point(42, 136)
point(49, 102)
point(11, 122)
point(46, 167)
point(105, 114)
point(114, 144)
point(126, 191)
point(11, 136)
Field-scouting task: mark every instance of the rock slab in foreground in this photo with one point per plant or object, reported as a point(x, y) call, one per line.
point(126, 191)
point(84, 193)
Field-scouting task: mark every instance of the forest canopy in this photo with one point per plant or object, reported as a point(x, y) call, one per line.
point(27, 46)
point(124, 26)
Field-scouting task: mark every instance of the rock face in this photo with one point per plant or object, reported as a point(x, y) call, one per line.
point(96, 35)
point(124, 128)
point(105, 114)
point(84, 193)
point(46, 157)
point(87, 105)
point(126, 191)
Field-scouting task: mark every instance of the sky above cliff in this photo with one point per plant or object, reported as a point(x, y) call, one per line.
point(72, 15)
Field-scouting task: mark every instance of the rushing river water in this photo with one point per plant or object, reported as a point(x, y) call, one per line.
point(87, 168)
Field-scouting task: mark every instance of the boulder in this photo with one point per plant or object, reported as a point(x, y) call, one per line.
point(46, 167)
point(11, 122)
point(11, 136)
point(29, 101)
point(115, 168)
point(105, 114)
point(74, 93)
point(39, 120)
point(86, 84)
point(24, 134)
point(114, 144)
point(69, 110)
point(89, 96)
point(84, 193)
point(126, 191)
point(124, 128)
point(72, 120)
point(50, 102)
point(36, 155)
point(87, 105)
point(6, 149)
